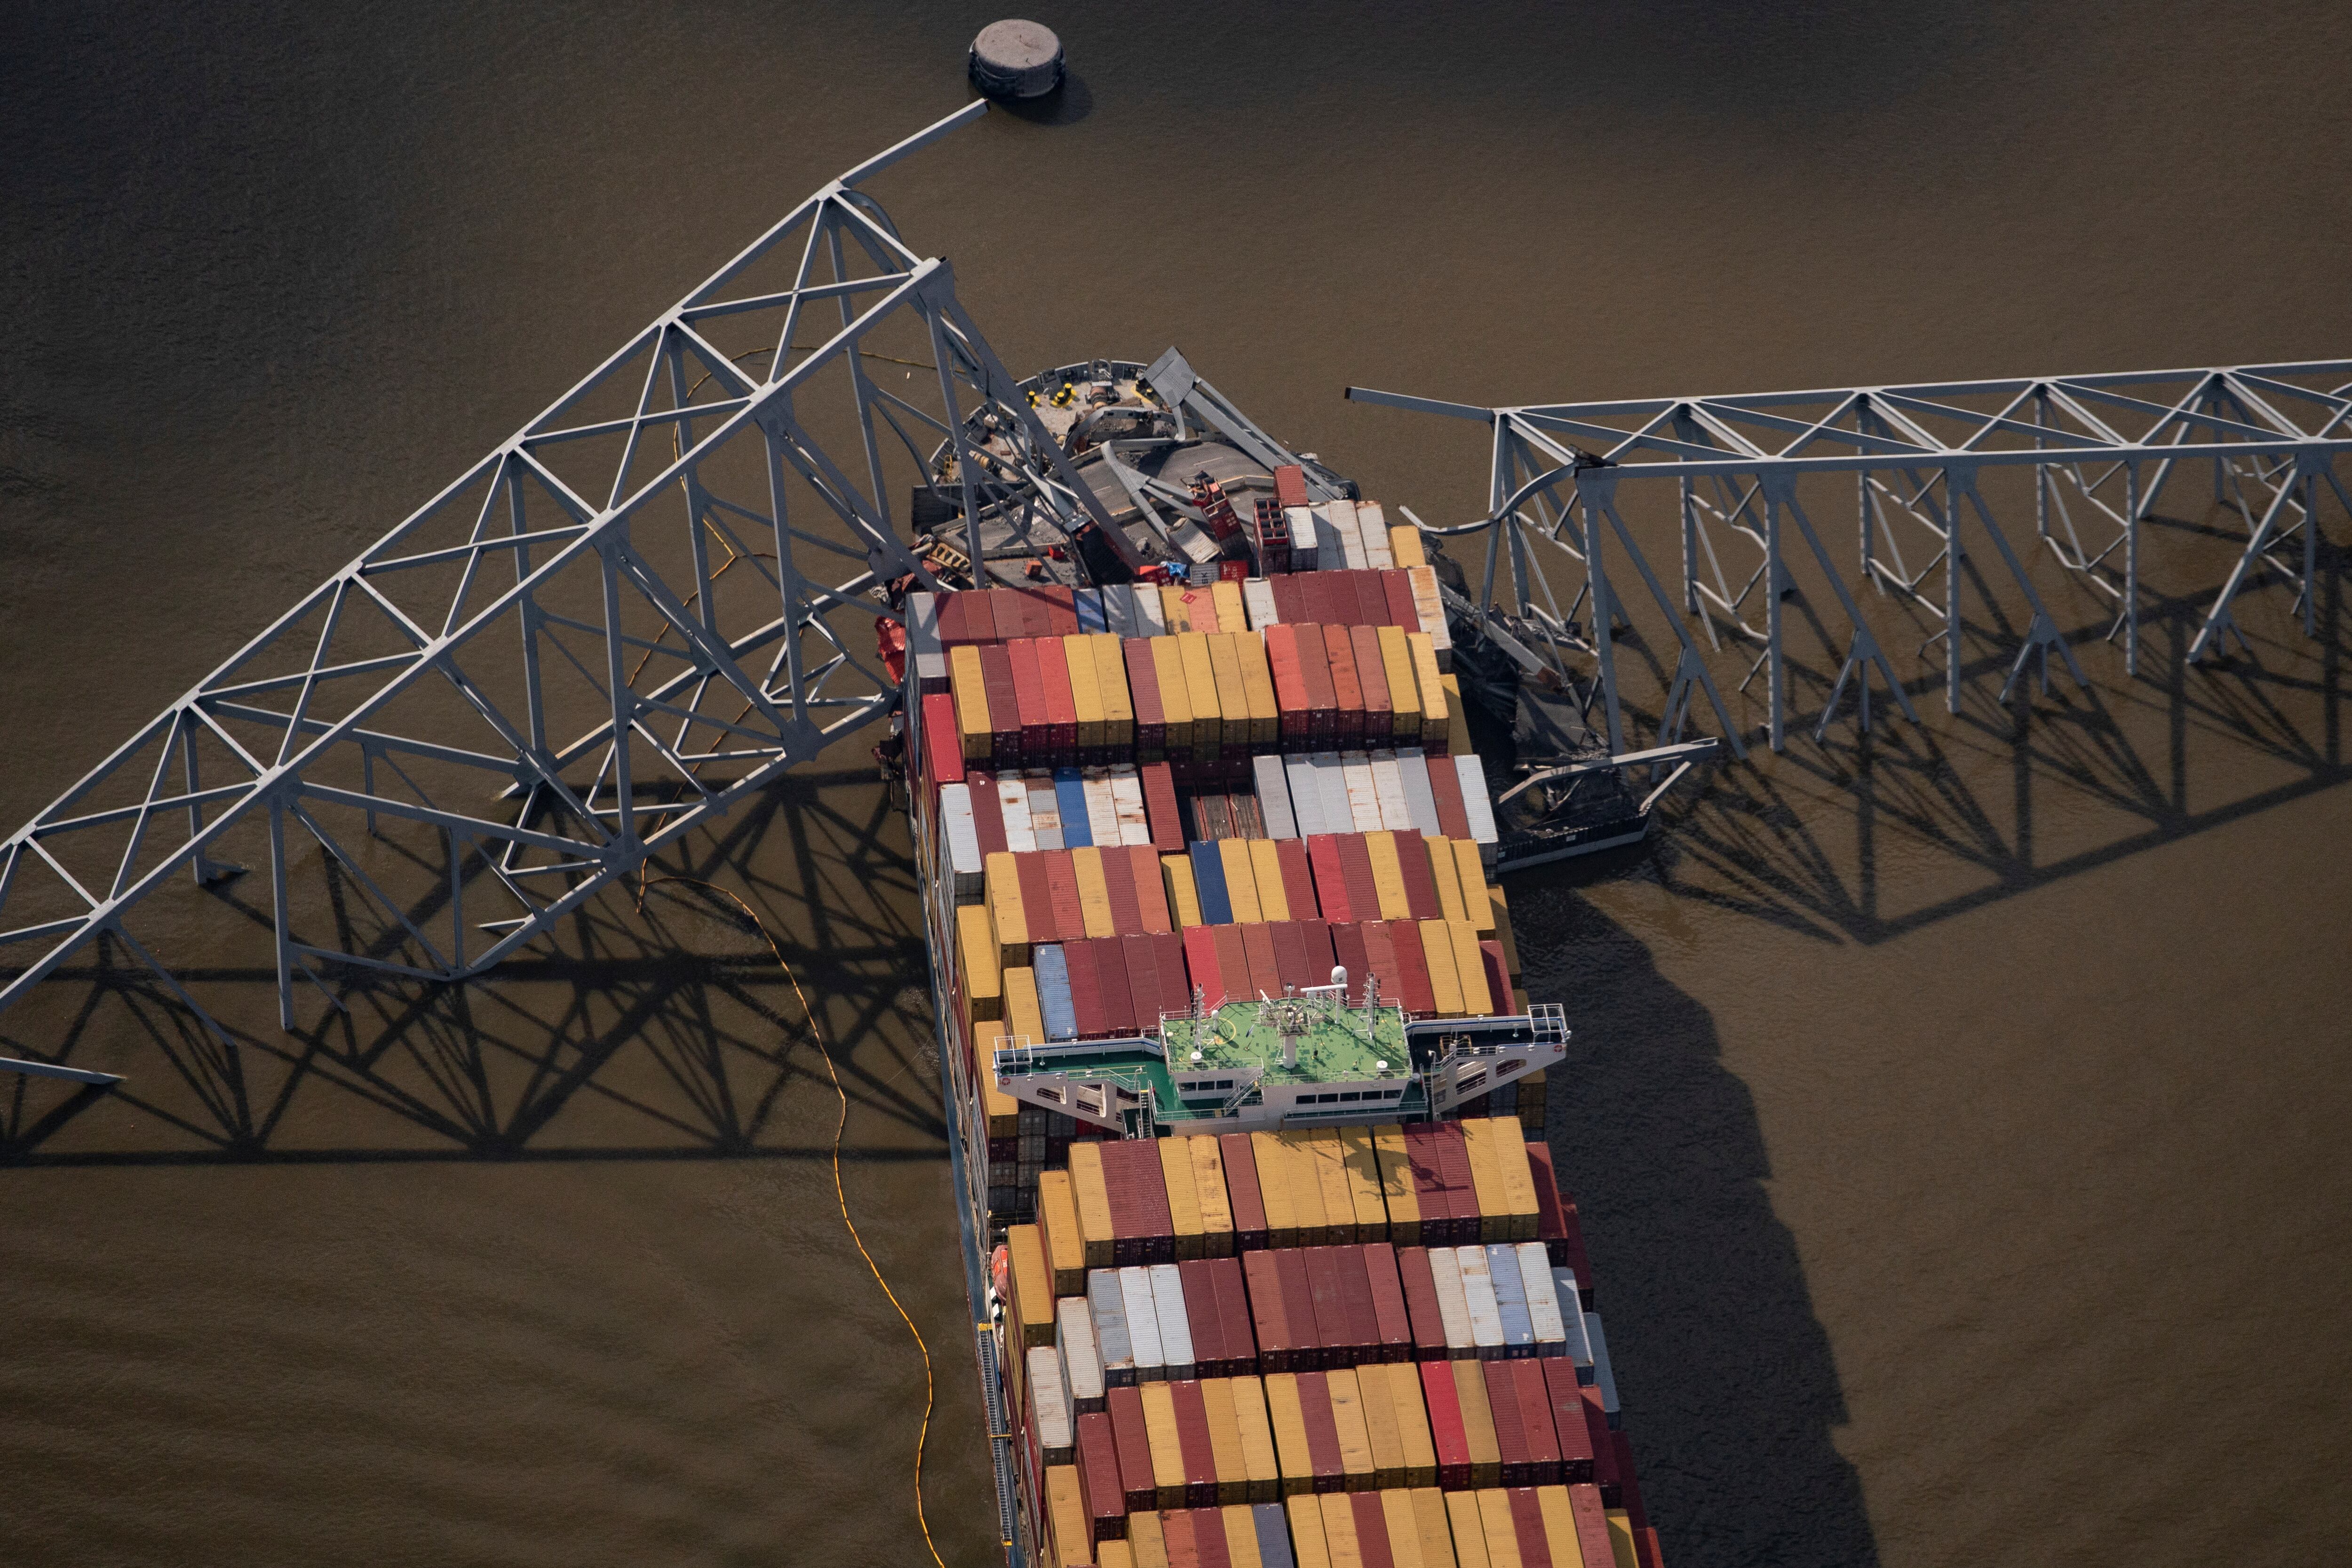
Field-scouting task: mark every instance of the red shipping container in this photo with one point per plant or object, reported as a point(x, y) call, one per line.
point(1534, 1414)
point(1391, 1321)
point(1290, 696)
point(987, 811)
point(1379, 952)
point(1159, 810)
point(1086, 989)
point(943, 744)
point(1567, 1427)
point(1062, 891)
point(1419, 882)
point(1446, 1432)
point(1209, 1529)
point(1234, 1308)
point(1421, 1302)
point(1061, 610)
point(1298, 878)
point(979, 615)
point(1233, 961)
point(1626, 1483)
point(1330, 878)
point(1175, 989)
point(1098, 1479)
point(1453, 1156)
point(1499, 978)
point(1371, 673)
point(1356, 869)
point(1061, 706)
point(1322, 1432)
point(1396, 587)
point(1289, 599)
point(1412, 968)
point(1239, 1157)
point(1348, 944)
point(1373, 1549)
point(1289, 484)
point(1604, 1446)
point(1269, 1316)
point(1137, 1188)
point(1143, 692)
point(1347, 690)
point(1193, 1441)
point(1118, 892)
point(1324, 601)
point(1265, 970)
point(952, 621)
point(1322, 700)
point(1320, 956)
point(1004, 706)
point(1551, 1222)
point(1445, 788)
point(1134, 1444)
point(1510, 1427)
point(1586, 1506)
point(1029, 691)
point(1298, 1307)
point(1363, 1312)
point(1150, 887)
point(1201, 959)
point(1528, 1526)
point(1120, 1016)
point(1372, 599)
point(1036, 897)
point(1576, 1256)
point(1290, 955)
point(1326, 1289)
point(1646, 1552)
point(1180, 1533)
point(1209, 1356)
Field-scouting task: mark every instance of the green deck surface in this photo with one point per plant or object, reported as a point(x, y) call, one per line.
point(1336, 1045)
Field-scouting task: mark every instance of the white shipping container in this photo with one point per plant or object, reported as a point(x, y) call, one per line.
point(1175, 1322)
point(1273, 797)
point(1127, 794)
point(1045, 809)
point(1372, 528)
point(1302, 537)
point(1352, 544)
point(1107, 1308)
point(1543, 1304)
point(1197, 547)
point(1150, 614)
point(923, 645)
point(1601, 1375)
point(960, 843)
point(1430, 605)
point(1413, 768)
point(1257, 602)
point(1306, 796)
point(1452, 1305)
point(1572, 1317)
point(1387, 786)
point(1475, 804)
point(1012, 804)
point(1363, 794)
point(1142, 1324)
point(1478, 1294)
point(1330, 554)
point(1074, 1341)
point(1102, 808)
point(1331, 782)
point(1052, 1404)
point(1119, 610)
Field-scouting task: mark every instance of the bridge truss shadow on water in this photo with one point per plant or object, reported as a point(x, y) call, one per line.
point(662, 1031)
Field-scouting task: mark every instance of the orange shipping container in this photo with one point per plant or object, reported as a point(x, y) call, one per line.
point(983, 963)
point(969, 689)
point(1006, 912)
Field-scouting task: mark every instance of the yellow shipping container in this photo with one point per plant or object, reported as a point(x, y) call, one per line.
point(1226, 667)
point(1167, 1446)
point(969, 689)
point(1265, 872)
point(1272, 1158)
point(1404, 695)
point(1257, 1440)
point(1559, 1527)
point(1356, 1463)
point(1498, 909)
point(1025, 1020)
point(1225, 1439)
point(1175, 693)
point(1227, 597)
point(1339, 1536)
point(983, 963)
point(1183, 1198)
point(1289, 1424)
point(1066, 1513)
point(1033, 1286)
point(1174, 608)
point(1004, 1111)
point(1429, 1531)
point(1241, 882)
point(1093, 893)
point(1307, 1538)
point(1002, 890)
point(1468, 1536)
point(1111, 685)
point(1241, 1537)
point(1058, 1226)
point(1621, 1538)
point(1519, 1177)
point(1397, 1193)
point(1147, 1540)
point(1338, 1191)
point(1437, 950)
point(1209, 1191)
point(1257, 688)
point(1379, 1420)
point(1201, 692)
point(1433, 706)
point(1413, 1427)
point(1183, 897)
point(1470, 969)
point(1458, 721)
point(1404, 547)
point(1094, 1203)
point(1486, 1179)
point(1295, 1165)
point(1364, 1167)
point(1477, 899)
point(1117, 1554)
point(1086, 691)
point(1477, 1424)
point(1502, 1534)
point(1446, 872)
point(1388, 876)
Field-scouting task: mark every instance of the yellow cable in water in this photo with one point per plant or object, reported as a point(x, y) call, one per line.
point(841, 1197)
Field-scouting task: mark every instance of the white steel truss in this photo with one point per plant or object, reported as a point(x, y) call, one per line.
point(2101, 450)
point(670, 566)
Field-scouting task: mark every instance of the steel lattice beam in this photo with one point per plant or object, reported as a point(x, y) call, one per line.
point(2101, 450)
point(671, 555)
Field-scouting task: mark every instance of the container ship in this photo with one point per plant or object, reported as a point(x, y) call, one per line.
point(1268, 1257)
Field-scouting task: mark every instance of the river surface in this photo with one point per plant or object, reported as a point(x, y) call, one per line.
point(1959, 1114)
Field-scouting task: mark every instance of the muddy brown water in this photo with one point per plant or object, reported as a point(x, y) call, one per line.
point(1960, 1114)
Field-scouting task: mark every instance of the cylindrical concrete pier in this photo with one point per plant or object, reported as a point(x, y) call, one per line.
point(1013, 58)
